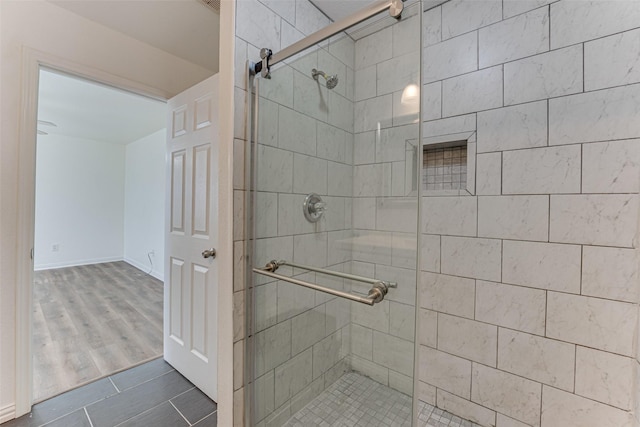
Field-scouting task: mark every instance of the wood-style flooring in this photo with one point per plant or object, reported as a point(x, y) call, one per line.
point(91, 321)
point(150, 395)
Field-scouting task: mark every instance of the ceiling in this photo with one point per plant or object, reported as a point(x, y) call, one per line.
point(185, 28)
point(93, 111)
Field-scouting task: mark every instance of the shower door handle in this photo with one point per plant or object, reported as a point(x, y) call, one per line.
point(209, 253)
point(376, 294)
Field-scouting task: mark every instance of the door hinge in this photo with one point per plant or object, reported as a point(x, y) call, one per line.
point(31, 254)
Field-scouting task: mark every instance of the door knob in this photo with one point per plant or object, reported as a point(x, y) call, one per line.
point(209, 253)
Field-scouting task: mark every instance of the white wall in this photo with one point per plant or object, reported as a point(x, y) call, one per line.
point(144, 203)
point(79, 202)
point(43, 26)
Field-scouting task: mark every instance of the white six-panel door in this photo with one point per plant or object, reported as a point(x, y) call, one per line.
point(191, 280)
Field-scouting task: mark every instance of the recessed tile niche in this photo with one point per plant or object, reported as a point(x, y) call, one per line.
point(448, 166)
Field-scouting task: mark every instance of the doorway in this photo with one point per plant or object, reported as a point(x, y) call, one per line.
point(99, 232)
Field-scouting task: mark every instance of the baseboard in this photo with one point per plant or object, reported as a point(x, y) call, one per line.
point(7, 413)
point(154, 273)
point(55, 265)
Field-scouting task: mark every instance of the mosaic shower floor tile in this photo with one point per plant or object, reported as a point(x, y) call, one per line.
point(358, 401)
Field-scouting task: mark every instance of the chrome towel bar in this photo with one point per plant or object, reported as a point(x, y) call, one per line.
point(376, 293)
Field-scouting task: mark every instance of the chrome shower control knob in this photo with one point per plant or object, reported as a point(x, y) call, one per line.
point(313, 207)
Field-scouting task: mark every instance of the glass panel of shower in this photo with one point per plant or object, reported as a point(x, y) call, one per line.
point(336, 180)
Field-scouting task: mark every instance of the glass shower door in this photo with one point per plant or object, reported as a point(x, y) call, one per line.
point(335, 208)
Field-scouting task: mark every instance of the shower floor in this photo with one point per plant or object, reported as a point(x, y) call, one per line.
point(356, 400)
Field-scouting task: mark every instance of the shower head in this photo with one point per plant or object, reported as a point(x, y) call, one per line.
point(332, 81)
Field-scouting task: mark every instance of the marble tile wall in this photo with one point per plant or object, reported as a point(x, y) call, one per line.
point(529, 288)
point(301, 338)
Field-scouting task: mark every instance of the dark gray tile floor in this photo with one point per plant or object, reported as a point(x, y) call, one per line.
point(152, 394)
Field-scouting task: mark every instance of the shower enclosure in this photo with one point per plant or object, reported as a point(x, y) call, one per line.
point(335, 208)
point(492, 145)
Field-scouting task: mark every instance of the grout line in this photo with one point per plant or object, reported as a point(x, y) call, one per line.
point(143, 412)
point(575, 366)
point(114, 385)
point(206, 416)
point(546, 311)
point(583, 68)
point(88, 417)
point(181, 414)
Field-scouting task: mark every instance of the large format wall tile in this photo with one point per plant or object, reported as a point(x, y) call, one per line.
point(365, 84)
point(515, 7)
point(276, 169)
point(280, 90)
point(468, 339)
point(477, 91)
point(430, 253)
point(428, 328)
point(447, 294)
point(258, 25)
point(542, 170)
point(511, 306)
point(451, 125)
point(488, 174)
point(307, 329)
point(391, 143)
point(461, 16)
point(362, 341)
point(612, 61)
point(611, 167)
point(297, 132)
point(393, 352)
point(372, 180)
point(610, 273)
point(514, 217)
point(605, 377)
point(396, 214)
point(402, 320)
point(465, 408)
point(273, 347)
point(432, 101)
point(455, 216)
point(327, 353)
point(376, 317)
point(309, 174)
point(509, 394)
point(514, 38)
point(398, 72)
point(540, 359)
point(340, 179)
point(468, 257)
point(450, 58)
point(560, 408)
point(445, 371)
point(292, 376)
point(310, 249)
point(548, 75)
point(432, 26)
point(593, 322)
point(578, 21)
point(602, 115)
point(373, 113)
point(373, 49)
point(542, 265)
point(511, 128)
point(593, 219)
